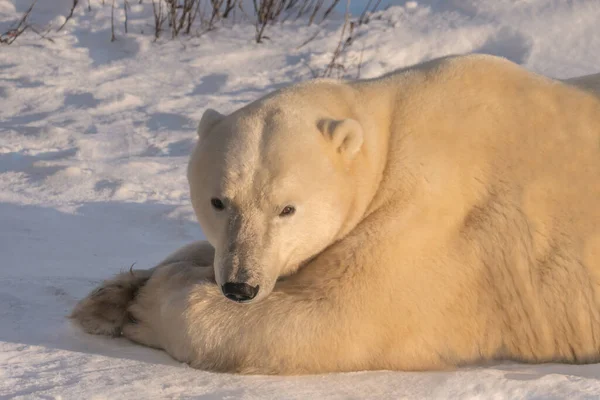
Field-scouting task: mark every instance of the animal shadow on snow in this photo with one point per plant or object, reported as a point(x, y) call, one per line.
point(52, 259)
point(520, 372)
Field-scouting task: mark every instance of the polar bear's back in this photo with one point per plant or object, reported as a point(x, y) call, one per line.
point(506, 163)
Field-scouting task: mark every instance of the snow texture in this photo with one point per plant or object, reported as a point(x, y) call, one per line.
point(94, 141)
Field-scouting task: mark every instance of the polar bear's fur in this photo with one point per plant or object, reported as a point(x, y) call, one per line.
point(469, 230)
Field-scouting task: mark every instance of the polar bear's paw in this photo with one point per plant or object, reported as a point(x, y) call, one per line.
point(104, 310)
point(141, 319)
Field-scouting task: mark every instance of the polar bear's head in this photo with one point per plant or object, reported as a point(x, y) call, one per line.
point(272, 186)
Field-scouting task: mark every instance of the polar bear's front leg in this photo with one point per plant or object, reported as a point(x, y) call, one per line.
point(104, 310)
point(289, 332)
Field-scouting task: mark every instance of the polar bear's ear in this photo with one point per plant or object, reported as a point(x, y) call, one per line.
point(346, 135)
point(209, 119)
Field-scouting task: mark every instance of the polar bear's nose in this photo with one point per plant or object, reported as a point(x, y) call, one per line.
point(240, 292)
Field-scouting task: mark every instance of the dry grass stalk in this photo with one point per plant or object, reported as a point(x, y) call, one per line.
point(11, 35)
point(73, 6)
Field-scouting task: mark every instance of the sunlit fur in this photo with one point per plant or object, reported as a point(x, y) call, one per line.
point(462, 226)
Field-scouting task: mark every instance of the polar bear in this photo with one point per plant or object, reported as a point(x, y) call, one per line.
point(441, 215)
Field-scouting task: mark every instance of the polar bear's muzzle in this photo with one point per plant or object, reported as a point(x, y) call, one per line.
point(241, 271)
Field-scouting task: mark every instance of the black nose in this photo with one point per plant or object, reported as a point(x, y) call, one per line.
point(239, 292)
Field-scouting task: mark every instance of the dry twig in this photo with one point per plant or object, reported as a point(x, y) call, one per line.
point(343, 44)
point(125, 7)
point(157, 11)
point(112, 22)
point(75, 2)
point(12, 34)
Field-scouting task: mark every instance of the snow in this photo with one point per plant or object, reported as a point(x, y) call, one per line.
point(94, 140)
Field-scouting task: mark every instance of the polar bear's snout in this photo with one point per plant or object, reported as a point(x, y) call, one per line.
point(239, 292)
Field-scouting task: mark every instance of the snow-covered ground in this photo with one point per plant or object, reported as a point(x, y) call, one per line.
point(94, 140)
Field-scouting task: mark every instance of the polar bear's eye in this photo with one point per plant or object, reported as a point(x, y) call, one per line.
point(217, 204)
point(287, 211)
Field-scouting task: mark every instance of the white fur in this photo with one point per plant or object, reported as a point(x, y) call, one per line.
point(459, 223)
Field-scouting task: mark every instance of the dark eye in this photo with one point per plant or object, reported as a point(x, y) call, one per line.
point(287, 211)
point(217, 204)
